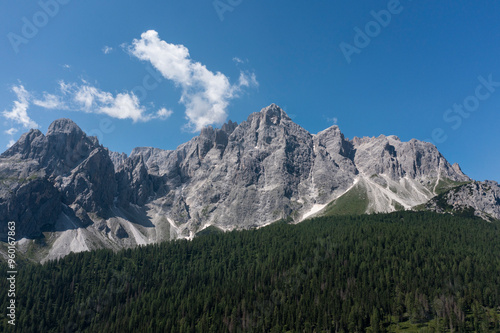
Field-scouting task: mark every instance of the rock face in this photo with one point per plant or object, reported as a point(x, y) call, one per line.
point(476, 198)
point(135, 184)
point(67, 188)
point(34, 205)
point(117, 158)
point(414, 159)
point(40, 173)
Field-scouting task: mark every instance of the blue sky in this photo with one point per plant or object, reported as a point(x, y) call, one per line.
point(152, 73)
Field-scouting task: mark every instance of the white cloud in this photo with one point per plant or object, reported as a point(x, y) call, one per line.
point(81, 97)
point(11, 131)
point(163, 113)
point(90, 99)
point(64, 87)
point(50, 101)
point(205, 94)
point(248, 79)
point(333, 120)
point(19, 112)
point(107, 49)
point(125, 106)
point(238, 60)
point(66, 66)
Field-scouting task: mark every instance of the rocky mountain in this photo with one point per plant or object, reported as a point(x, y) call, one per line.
point(474, 198)
point(67, 193)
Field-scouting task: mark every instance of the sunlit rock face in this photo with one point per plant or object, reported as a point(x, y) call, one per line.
point(66, 188)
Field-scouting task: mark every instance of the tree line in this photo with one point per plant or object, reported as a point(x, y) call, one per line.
point(330, 274)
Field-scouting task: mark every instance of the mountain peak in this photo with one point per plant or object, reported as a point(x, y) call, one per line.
point(274, 109)
point(63, 125)
point(457, 168)
point(273, 114)
point(23, 145)
point(229, 127)
point(236, 177)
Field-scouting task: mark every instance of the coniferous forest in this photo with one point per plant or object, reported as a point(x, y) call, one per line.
point(404, 271)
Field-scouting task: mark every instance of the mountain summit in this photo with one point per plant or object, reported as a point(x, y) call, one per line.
point(68, 191)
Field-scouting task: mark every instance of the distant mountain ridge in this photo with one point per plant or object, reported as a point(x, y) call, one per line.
point(70, 193)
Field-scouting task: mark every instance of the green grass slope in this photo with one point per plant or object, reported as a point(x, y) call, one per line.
point(353, 202)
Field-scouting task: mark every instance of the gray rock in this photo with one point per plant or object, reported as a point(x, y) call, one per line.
point(237, 177)
point(414, 159)
point(480, 198)
point(42, 172)
point(135, 184)
point(91, 185)
point(117, 158)
point(34, 205)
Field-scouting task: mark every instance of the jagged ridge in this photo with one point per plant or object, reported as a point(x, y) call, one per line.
point(82, 196)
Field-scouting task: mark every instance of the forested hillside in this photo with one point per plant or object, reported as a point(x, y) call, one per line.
point(427, 271)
